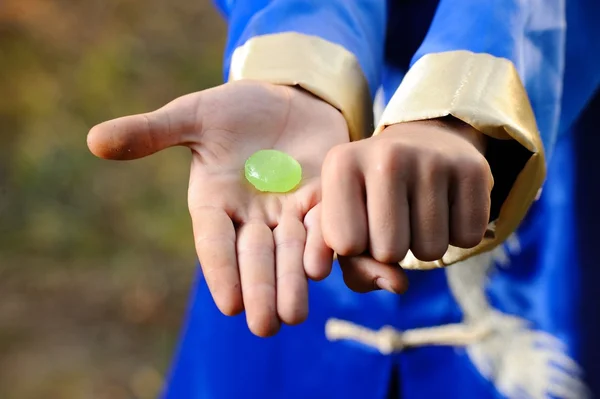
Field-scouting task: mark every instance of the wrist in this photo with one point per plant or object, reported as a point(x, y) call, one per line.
point(456, 127)
point(464, 130)
point(325, 69)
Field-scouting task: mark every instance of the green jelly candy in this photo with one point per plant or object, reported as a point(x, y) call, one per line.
point(273, 171)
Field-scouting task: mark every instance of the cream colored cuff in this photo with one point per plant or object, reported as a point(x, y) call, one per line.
point(325, 69)
point(485, 92)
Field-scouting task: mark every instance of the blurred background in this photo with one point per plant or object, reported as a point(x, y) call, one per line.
point(96, 257)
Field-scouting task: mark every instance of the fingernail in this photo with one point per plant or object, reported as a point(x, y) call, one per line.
point(385, 284)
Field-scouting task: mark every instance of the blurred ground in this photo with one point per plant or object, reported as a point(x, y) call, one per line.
point(96, 258)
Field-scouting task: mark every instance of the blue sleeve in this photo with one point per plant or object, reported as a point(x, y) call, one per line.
point(582, 70)
point(530, 33)
point(357, 25)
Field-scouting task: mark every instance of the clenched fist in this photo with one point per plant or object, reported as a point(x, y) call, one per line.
point(418, 186)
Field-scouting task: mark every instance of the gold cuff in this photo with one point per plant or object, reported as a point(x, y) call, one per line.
point(485, 92)
point(325, 69)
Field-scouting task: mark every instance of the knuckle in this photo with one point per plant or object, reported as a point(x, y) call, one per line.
point(430, 250)
point(435, 165)
point(203, 242)
point(317, 276)
point(404, 159)
point(294, 279)
point(339, 159)
point(391, 159)
point(258, 251)
point(289, 243)
point(346, 241)
point(470, 236)
point(475, 170)
point(480, 163)
point(348, 247)
point(468, 240)
point(389, 254)
point(386, 156)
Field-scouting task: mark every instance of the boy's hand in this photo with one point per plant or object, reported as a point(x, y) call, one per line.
point(418, 186)
point(256, 249)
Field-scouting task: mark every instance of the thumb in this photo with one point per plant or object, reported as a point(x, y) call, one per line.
point(363, 274)
point(137, 136)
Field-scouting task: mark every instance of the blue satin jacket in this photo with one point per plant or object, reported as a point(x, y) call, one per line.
point(535, 295)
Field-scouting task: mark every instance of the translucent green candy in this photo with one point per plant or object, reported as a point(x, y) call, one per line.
point(273, 171)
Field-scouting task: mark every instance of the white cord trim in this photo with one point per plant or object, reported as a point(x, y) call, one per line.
point(389, 340)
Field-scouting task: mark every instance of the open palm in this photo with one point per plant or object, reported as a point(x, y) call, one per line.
point(256, 249)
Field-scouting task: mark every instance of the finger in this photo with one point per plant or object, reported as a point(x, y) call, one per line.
point(364, 274)
point(471, 202)
point(292, 285)
point(388, 215)
point(256, 259)
point(318, 257)
point(429, 212)
point(344, 217)
point(214, 236)
point(137, 136)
